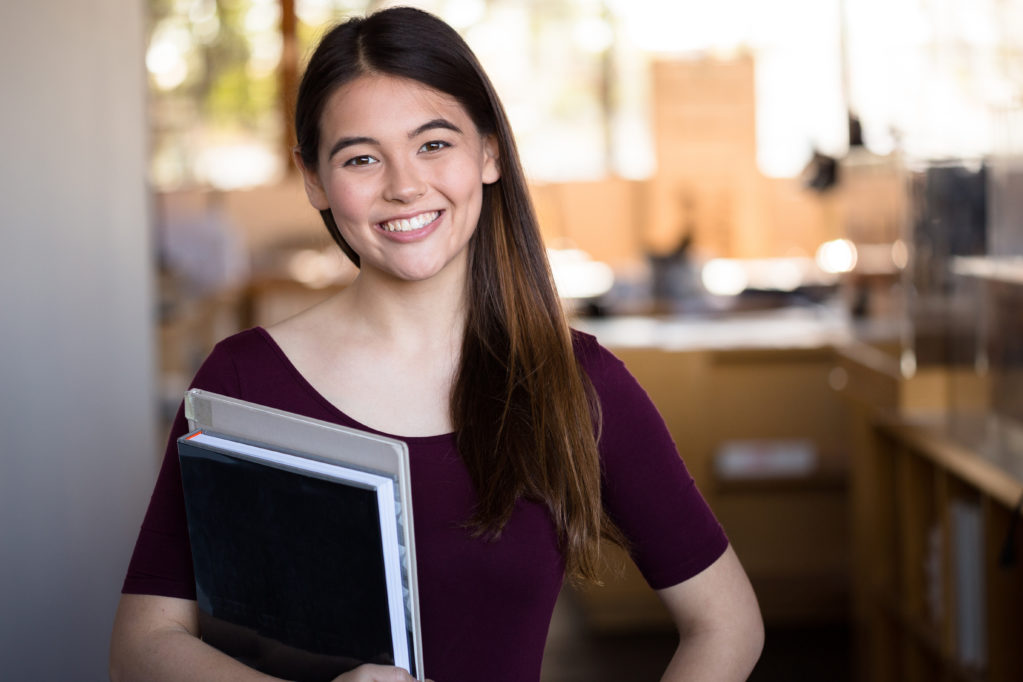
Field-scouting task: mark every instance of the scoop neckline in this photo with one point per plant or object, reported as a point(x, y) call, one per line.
point(320, 398)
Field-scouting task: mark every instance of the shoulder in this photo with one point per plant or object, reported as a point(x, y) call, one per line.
point(232, 358)
point(588, 351)
point(251, 344)
point(604, 369)
point(626, 407)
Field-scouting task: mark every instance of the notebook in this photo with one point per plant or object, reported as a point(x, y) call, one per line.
point(302, 540)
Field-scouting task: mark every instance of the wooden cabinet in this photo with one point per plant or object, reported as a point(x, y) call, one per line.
point(791, 532)
point(937, 544)
point(791, 529)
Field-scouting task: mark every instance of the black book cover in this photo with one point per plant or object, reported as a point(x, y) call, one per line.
point(289, 567)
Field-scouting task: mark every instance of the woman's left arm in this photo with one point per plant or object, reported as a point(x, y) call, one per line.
point(720, 629)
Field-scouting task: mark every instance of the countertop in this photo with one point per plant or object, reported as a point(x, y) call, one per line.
point(782, 328)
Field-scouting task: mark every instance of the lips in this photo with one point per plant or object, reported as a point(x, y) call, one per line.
point(410, 224)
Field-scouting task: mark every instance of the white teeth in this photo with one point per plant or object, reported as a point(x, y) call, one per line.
point(409, 224)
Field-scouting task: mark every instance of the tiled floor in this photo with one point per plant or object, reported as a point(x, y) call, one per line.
point(791, 654)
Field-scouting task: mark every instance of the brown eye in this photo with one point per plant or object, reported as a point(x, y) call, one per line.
point(363, 160)
point(434, 146)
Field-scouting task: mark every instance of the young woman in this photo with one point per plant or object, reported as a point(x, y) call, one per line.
point(531, 446)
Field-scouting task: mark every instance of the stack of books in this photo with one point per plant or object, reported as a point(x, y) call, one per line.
point(302, 540)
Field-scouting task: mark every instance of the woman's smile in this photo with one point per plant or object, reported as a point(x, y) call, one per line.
point(414, 226)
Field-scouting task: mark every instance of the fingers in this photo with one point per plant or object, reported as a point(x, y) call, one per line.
point(375, 673)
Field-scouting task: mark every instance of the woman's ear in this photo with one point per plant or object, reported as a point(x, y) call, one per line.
point(313, 186)
point(491, 160)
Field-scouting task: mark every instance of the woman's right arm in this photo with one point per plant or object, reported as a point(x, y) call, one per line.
point(156, 638)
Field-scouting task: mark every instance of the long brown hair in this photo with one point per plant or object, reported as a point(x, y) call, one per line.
point(524, 411)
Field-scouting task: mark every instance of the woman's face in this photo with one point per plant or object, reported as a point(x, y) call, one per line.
point(401, 168)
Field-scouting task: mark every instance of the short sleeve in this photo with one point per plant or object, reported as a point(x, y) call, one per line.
point(647, 491)
point(161, 563)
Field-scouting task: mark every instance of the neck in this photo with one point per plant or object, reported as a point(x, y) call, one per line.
point(410, 313)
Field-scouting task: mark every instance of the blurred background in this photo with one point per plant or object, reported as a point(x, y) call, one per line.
point(797, 222)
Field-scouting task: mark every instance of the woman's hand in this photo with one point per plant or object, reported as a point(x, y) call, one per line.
point(375, 673)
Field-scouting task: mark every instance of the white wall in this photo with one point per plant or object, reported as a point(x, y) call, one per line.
point(77, 437)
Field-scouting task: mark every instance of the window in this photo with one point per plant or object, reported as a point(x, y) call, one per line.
point(940, 77)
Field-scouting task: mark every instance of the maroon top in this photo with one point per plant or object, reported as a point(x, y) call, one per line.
point(485, 607)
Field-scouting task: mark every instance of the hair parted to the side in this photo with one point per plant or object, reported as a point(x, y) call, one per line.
point(524, 411)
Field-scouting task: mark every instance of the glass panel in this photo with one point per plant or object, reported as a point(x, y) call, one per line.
point(986, 394)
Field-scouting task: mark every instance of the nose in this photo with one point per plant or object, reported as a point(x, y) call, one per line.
point(404, 182)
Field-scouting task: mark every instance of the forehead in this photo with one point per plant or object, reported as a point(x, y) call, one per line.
point(378, 104)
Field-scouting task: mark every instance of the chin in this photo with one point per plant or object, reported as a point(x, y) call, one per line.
point(416, 274)
point(423, 270)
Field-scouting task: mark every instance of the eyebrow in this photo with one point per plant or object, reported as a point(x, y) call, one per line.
point(435, 124)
